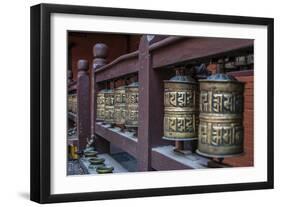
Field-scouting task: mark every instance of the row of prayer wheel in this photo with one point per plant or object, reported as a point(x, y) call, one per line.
point(119, 106)
point(210, 111)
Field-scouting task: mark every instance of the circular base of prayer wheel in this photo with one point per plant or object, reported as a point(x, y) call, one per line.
point(179, 139)
point(218, 156)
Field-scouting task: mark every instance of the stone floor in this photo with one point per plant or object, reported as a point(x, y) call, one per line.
point(123, 158)
point(73, 168)
point(126, 160)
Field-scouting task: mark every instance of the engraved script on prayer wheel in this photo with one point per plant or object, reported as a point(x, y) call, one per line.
point(132, 105)
point(180, 111)
point(100, 105)
point(221, 116)
point(120, 105)
point(109, 106)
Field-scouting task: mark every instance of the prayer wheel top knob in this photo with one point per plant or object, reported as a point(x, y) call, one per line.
point(221, 77)
point(180, 77)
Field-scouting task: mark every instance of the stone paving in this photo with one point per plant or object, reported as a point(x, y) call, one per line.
point(74, 168)
point(124, 159)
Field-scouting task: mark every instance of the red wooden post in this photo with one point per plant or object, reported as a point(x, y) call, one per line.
point(83, 103)
point(100, 52)
point(151, 107)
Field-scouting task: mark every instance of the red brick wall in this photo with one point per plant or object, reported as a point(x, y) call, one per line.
point(248, 158)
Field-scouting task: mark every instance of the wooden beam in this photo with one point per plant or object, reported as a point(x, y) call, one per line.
point(120, 140)
point(177, 50)
point(124, 65)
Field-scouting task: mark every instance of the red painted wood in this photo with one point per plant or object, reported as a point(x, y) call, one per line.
point(143, 150)
point(162, 162)
point(83, 45)
point(126, 144)
point(249, 73)
point(177, 49)
point(151, 107)
point(123, 65)
point(83, 104)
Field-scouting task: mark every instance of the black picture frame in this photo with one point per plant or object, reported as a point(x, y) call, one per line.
point(41, 96)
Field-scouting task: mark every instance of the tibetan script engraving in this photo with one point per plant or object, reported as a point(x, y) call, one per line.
point(221, 102)
point(221, 134)
point(179, 99)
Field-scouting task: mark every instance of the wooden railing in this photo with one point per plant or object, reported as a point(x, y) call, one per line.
point(80, 114)
point(152, 63)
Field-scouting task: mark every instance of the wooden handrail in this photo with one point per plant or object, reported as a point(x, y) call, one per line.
point(165, 42)
point(118, 60)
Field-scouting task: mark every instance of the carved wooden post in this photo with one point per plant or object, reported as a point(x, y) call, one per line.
point(100, 52)
point(83, 103)
point(143, 150)
point(150, 129)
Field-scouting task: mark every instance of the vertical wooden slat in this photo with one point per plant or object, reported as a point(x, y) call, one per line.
point(143, 152)
point(151, 107)
point(83, 103)
point(99, 59)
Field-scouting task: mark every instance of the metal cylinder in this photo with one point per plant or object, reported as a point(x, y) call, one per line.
point(100, 105)
point(72, 103)
point(120, 105)
point(132, 105)
point(109, 106)
point(180, 111)
point(221, 116)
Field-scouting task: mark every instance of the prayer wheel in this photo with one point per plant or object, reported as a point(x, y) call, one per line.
point(132, 105)
point(100, 105)
point(120, 105)
point(109, 106)
point(221, 116)
point(180, 110)
point(72, 103)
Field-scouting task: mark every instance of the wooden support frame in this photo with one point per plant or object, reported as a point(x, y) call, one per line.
point(155, 55)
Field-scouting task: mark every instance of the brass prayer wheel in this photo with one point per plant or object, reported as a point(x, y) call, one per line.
point(109, 106)
point(221, 116)
point(100, 105)
point(132, 105)
point(72, 103)
point(180, 111)
point(120, 105)
point(69, 102)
